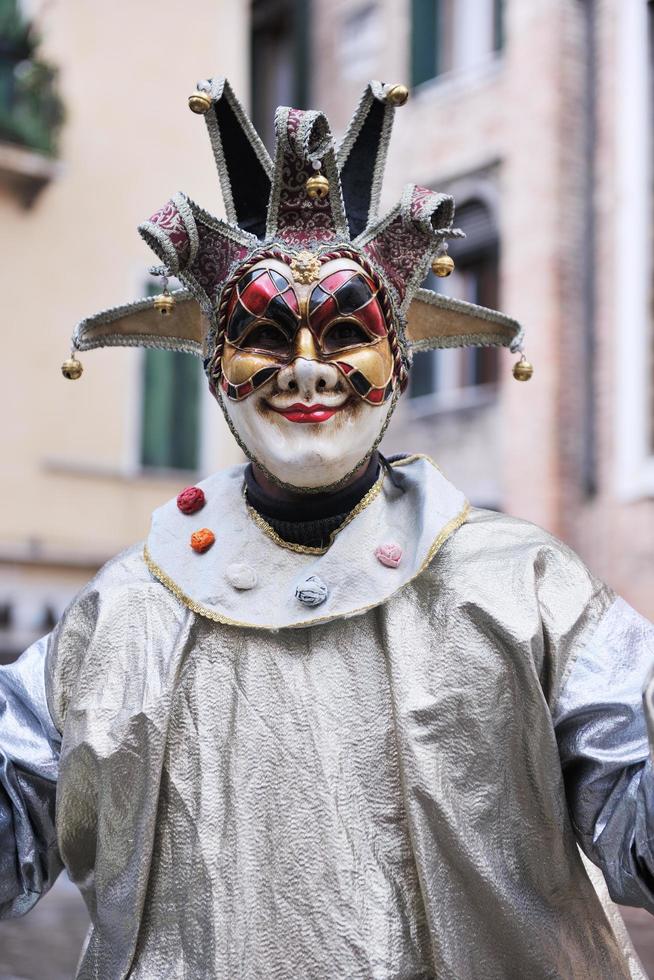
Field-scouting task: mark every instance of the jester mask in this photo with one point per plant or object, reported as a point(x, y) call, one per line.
point(305, 306)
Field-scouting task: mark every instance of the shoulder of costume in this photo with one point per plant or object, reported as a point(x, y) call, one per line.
point(500, 533)
point(127, 568)
point(112, 588)
point(490, 539)
point(90, 638)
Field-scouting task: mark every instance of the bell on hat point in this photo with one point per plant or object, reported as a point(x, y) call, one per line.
point(164, 304)
point(522, 369)
point(443, 265)
point(72, 368)
point(397, 95)
point(317, 187)
point(199, 102)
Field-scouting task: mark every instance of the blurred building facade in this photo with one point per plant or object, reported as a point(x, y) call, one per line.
point(85, 463)
point(536, 116)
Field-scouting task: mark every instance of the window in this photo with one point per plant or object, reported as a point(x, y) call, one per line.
point(452, 378)
point(279, 45)
point(170, 408)
point(453, 35)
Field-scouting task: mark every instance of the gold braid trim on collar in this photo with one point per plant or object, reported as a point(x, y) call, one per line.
point(305, 549)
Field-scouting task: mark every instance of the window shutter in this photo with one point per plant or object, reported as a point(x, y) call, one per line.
point(424, 40)
point(477, 221)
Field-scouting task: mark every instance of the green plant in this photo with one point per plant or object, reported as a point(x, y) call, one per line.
point(31, 110)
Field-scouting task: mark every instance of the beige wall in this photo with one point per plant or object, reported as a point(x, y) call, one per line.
point(69, 449)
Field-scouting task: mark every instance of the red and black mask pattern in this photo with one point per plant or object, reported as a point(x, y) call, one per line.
point(347, 321)
point(271, 319)
point(262, 322)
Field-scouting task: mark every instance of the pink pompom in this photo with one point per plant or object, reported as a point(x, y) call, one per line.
point(389, 555)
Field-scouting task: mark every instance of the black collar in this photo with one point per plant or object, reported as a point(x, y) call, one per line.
point(311, 518)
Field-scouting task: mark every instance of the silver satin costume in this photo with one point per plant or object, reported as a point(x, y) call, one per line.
point(394, 789)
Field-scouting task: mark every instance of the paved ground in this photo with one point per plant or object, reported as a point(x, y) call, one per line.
point(45, 944)
point(641, 929)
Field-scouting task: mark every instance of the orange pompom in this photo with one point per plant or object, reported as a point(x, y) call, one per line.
point(202, 540)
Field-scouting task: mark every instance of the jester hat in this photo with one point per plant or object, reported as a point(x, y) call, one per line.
point(270, 212)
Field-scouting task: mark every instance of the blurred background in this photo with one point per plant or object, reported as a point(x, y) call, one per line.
point(536, 116)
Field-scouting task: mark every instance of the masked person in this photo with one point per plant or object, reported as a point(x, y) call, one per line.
point(330, 721)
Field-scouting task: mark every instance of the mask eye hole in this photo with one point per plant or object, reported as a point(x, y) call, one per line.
point(343, 333)
point(267, 337)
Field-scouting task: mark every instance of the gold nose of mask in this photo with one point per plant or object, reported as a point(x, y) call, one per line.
point(305, 345)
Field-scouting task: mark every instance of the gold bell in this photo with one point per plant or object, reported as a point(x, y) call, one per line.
point(199, 102)
point(164, 304)
point(522, 369)
point(72, 368)
point(443, 265)
point(397, 95)
point(317, 187)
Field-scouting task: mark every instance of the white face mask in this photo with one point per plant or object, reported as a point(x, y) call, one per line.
point(301, 453)
point(306, 373)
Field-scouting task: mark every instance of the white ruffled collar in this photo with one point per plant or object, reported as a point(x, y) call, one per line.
point(345, 580)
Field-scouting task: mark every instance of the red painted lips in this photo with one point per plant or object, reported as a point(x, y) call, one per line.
point(307, 413)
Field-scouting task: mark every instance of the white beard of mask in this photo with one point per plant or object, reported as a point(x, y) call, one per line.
point(303, 454)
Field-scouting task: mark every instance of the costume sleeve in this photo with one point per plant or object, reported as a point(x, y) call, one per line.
point(29, 754)
point(601, 722)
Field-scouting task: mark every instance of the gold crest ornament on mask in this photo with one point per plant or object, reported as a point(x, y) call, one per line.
point(305, 268)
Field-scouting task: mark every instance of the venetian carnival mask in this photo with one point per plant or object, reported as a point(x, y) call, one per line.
point(306, 373)
point(305, 306)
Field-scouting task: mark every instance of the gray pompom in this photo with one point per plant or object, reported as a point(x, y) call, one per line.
point(312, 591)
